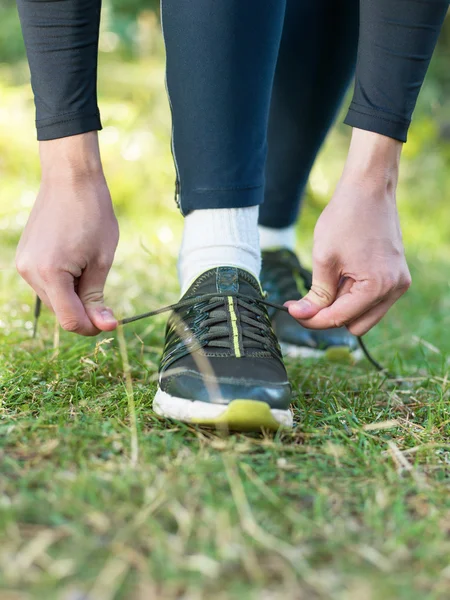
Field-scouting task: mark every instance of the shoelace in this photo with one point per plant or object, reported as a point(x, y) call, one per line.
point(207, 297)
point(212, 322)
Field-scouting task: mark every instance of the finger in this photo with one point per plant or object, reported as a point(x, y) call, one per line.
point(365, 322)
point(67, 306)
point(42, 295)
point(345, 309)
point(26, 276)
point(325, 282)
point(90, 290)
point(29, 275)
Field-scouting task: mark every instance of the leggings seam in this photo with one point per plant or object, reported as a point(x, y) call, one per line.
point(399, 121)
point(43, 123)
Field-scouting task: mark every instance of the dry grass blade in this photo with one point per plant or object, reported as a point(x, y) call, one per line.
point(130, 397)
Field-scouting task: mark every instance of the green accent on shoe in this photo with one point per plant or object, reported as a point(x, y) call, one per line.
point(243, 415)
point(236, 345)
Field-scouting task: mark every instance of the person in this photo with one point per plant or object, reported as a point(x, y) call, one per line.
point(254, 87)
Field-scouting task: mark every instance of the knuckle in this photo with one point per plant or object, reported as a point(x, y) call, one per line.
point(92, 297)
point(46, 272)
point(103, 262)
point(22, 266)
point(322, 258)
point(338, 323)
point(387, 282)
point(395, 281)
point(321, 293)
point(390, 284)
point(406, 282)
point(70, 324)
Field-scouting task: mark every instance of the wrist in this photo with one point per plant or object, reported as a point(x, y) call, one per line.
point(373, 158)
point(71, 157)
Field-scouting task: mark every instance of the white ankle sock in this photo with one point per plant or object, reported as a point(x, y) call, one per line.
point(219, 237)
point(269, 237)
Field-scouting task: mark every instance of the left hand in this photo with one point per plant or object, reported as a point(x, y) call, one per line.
point(359, 266)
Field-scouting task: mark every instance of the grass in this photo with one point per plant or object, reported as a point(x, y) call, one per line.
point(100, 499)
point(353, 504)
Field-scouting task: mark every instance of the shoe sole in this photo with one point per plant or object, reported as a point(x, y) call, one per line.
point(333, 354)
point(239, 415)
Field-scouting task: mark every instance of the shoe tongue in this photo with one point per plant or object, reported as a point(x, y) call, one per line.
point(232, 280)
point(226, 280)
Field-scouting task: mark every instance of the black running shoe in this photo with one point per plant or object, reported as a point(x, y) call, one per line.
point(222, 364)
point(283, 278)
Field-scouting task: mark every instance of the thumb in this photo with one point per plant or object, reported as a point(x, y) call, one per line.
point(90, 291)
point(324, 288)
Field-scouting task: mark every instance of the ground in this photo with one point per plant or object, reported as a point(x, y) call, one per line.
point(100, 499)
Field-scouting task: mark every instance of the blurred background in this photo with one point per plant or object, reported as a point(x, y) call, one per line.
point(138, 165)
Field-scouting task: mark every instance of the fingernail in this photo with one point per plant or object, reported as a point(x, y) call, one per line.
point(107, 315)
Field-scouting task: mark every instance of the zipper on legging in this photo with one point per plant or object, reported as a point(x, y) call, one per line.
point(177, 193)
point(172, 148)
point(174, 158)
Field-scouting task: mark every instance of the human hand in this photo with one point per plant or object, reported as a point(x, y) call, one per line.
point(68, 244)
point(359, 266)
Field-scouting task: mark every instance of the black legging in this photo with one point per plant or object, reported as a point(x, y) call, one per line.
point(224, 59)
point(316, 61)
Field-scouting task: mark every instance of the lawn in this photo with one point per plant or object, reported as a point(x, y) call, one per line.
point(100, 499)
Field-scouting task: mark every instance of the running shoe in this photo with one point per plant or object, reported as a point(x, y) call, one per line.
point(283, 278)
point(222, 365)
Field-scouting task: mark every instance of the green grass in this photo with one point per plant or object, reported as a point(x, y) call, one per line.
point(353, 503)
point(100, 499)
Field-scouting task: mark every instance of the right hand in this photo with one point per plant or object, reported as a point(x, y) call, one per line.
point(68, 245)
point(359, 265)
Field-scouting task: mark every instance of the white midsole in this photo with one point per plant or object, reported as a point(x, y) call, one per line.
point(188, 410)
point(294, 351)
